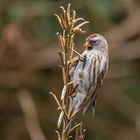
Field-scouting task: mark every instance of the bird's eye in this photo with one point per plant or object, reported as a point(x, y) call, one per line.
point(92, 41)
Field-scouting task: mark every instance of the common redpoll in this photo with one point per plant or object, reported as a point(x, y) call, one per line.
point(88, 73)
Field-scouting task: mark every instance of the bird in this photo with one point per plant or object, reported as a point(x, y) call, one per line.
point(87, 73)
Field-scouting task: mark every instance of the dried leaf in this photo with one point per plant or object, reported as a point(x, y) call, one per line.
point(61, 58)
point(73, 15)
point(59, 105)
point(75, 127)
point(78, 19)
point(68, 15)
point(60, 119)
point(63, 92)
point(59, 19)
point(63, 9)
point(58, 134)
point(78, 26)
point(61, 41)
point(76, 29)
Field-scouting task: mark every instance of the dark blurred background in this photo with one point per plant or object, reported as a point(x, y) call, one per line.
point(29, 63)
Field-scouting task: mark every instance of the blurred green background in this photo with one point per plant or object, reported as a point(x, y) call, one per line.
point(29, 63)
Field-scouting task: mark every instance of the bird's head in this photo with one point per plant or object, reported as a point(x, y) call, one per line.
point(96, 41)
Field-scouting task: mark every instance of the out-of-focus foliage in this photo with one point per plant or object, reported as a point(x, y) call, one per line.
point(29, 60)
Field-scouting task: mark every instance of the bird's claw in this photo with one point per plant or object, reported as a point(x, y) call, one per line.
point(82, 58)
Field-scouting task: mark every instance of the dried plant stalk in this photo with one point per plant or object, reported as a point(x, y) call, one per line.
point(68, 22)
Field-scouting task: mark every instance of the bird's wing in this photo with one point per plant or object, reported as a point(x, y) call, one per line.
point(101, 68)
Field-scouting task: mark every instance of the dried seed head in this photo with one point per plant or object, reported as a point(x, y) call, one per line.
point(68, 20)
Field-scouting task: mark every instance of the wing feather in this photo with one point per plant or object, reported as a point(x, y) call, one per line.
point(101, 67)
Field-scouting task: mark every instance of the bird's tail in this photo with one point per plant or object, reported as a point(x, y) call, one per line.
point(74, 108)
point(91, 105)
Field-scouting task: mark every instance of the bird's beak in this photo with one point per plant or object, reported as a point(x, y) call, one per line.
point(87, 45)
